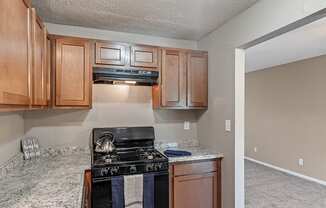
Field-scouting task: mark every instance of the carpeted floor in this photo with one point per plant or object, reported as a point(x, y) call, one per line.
point(268, 188)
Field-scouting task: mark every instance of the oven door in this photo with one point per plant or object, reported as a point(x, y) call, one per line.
point(102, 191)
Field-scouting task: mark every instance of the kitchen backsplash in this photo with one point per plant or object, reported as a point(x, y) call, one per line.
point(113, 105)
point(11, 131)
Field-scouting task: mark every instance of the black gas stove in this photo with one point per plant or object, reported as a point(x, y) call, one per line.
point(126, 151)
point(133, 152)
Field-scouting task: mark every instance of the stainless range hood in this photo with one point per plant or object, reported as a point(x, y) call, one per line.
point(124, 76)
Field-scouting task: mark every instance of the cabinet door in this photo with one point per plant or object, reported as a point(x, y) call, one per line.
point(15, 52)
point(144, 56)
point(87, 189)
point(39, 72)
point(49, 71)
point(110, 53)
point(173, 78)
point(73, 72)
point(197, 79)
point(195, 191)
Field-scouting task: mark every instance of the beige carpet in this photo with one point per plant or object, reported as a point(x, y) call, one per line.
point(268, 188)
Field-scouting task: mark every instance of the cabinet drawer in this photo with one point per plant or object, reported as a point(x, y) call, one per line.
point(195, 168)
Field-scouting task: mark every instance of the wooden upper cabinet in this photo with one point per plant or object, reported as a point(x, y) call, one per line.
point(173, 78)
point(73, 73)
point(39, 72)
point(49, 71)
point(144, 56)
point(183, 83)
point(110, 53)
point(15, 52)
point(197, 79)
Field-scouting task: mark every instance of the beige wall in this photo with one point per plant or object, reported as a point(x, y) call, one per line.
point(113, 105)
point(286, 116)
point(11, 131)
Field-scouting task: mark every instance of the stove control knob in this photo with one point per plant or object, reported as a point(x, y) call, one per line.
point(104, 172)
point(158, 166)
point(150, 167)
point(133, 169)
point(114, 170)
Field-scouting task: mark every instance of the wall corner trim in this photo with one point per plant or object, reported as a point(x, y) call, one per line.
point(308, 178)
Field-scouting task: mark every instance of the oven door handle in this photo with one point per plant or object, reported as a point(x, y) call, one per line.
point(100, 180)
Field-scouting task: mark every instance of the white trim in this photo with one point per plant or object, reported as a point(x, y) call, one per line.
point(321, 182)
point(239, 121)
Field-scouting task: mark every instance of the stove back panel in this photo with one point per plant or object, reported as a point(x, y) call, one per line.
point(126, 137)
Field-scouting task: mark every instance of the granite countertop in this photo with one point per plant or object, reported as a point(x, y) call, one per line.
point(53, 180)
point(197, 153)
point(56, 178)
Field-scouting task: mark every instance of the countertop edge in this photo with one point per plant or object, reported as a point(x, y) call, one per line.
point(195, 158)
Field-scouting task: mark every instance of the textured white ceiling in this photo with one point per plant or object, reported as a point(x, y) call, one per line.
point(305, 42)
point(183, 19)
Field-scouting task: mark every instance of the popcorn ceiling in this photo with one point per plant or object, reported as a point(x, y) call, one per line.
point(184, 19)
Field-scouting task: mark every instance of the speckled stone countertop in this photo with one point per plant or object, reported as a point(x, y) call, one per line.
point(56, 178)
point(53, 180)
point(197, 153)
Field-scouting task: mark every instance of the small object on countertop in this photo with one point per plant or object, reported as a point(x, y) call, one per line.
point(30, 148)
point(176, 153)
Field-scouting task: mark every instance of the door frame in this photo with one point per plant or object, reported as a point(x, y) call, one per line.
point(239, 87)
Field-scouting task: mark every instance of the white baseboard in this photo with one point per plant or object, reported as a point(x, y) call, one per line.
point(287, 171)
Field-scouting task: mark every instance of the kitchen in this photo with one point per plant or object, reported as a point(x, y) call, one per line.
point(64, 87)
point(180, 87)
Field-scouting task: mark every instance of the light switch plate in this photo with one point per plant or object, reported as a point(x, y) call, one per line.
point(228, 125)
point(301, 162)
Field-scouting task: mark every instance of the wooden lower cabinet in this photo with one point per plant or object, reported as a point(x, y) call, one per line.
point(195, 185)
point(87, 190)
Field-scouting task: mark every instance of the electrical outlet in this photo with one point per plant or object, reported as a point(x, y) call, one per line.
point(186, 125)
point(255, 149)
point(301, 162)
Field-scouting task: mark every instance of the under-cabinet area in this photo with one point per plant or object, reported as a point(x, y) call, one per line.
point(52, 71)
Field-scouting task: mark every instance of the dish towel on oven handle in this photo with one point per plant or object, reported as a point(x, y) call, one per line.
point(133, 191)
point(118, 193)
point(149, 190)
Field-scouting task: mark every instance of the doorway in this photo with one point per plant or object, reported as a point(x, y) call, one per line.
point(240, 75)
